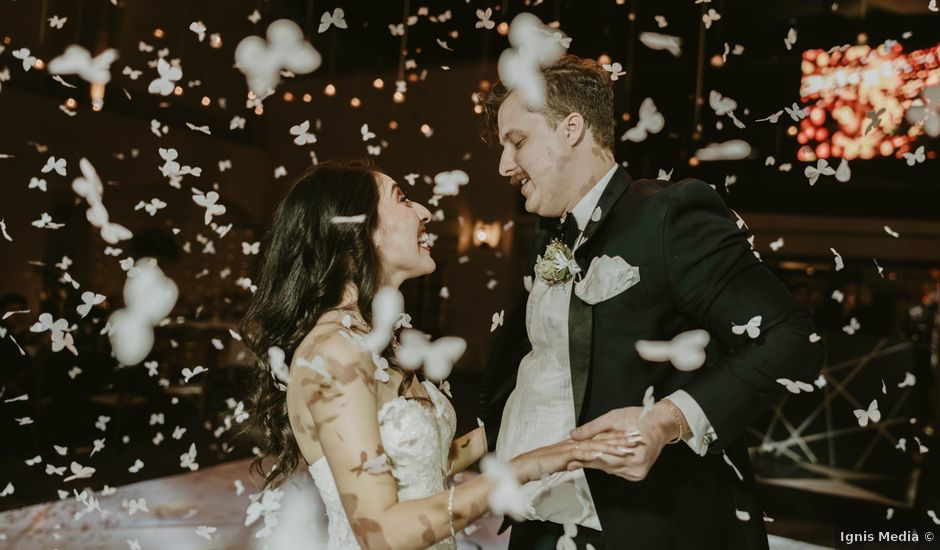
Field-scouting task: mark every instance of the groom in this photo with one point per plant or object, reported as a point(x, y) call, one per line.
point(651, 260)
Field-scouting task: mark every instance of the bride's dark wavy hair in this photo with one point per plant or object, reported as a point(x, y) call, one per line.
point(306, 265)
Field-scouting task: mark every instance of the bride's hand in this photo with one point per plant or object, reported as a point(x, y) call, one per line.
point(547, 460)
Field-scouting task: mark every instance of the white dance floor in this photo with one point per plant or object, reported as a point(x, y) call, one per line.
point(197, 511)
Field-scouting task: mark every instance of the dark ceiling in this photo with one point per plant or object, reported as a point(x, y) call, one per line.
point(762, 80)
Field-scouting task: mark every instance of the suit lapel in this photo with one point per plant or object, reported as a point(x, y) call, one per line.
point(580, 314)
point(618, 183)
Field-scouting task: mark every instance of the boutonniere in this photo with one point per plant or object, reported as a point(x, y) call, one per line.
point(557, 264)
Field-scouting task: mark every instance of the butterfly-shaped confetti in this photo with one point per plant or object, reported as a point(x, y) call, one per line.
point(89, 300)
point(796, 112)
point(733, 149)
point(507, 496)
point(45, 222)
point(497, 320)
point(209, 202)
point(206, 532)
point(438, 357)
point(37, 183)
point(449, 183)
point(250, 249)
point(135, 505)
point(790, 39)
point(773, 118)
point(909, 380)
point(77, 60)
point(189, 373)
point(203, 129)
point(686, 351)
point(532, 46)
point(149, 296)
point(79, 471)
point(199, 28)
point(752, 328)
point(852, 327)
point(57, 22)
point(657, 41)
point(843, 173)
point(724, 106)
point(872, 414)
point(336, 19)
point(302, 133)
point(484, 20)
point(166, 82)
point(89, 187)
point(23, 55)
point(795, 386)
point(366, 134)
point(710, 17)
point(54, 164)
point(261, 61)
point(916, 157)
point(615, 70)
point(822, 168)
point(131, 73)
point(840, 265)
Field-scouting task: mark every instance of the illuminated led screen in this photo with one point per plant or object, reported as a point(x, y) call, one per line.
point(857, 98)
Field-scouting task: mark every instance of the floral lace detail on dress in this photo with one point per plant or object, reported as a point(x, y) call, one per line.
point(416, 439)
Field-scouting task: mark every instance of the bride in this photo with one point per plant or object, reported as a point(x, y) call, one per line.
point(379, 443)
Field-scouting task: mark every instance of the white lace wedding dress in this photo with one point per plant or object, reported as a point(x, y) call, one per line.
point(417, 442)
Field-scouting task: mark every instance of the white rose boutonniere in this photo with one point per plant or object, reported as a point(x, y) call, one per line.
point(557, 265)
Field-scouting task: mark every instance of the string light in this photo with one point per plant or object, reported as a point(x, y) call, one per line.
point(503, 28)
point(355, 103)
point(392, 125)
point(70, 103)
point(205, 101)
point(158, 32)
point(330, 90)
point(288, 97)
point(308, 98)
point(378, 84)
point(178, 90)
point(398, 97)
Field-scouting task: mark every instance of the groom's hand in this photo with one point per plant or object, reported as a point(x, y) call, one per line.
point(646, 435)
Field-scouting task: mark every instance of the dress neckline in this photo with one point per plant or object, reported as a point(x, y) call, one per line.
point(426, 383)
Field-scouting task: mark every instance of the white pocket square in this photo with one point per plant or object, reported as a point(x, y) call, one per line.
point(606, 277)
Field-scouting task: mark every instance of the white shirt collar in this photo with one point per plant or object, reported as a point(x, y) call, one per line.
point(585, 208)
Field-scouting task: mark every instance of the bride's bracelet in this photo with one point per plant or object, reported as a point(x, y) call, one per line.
point(450, 510)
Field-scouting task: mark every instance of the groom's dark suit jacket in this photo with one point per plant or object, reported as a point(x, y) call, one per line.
point(697, 270)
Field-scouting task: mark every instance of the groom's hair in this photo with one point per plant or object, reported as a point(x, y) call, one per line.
point(572, 85)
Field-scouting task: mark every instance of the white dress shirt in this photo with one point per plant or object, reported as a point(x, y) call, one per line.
point(540, 410)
